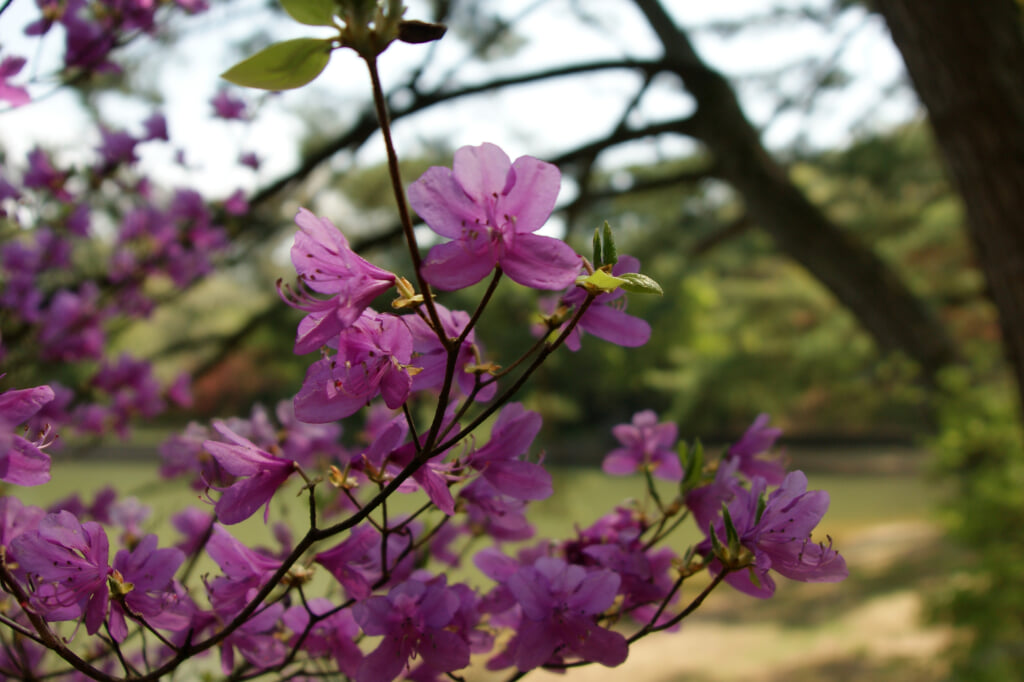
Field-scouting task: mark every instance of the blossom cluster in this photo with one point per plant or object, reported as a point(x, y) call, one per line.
point(404, 440)
point(388, 609)
point(88, 245)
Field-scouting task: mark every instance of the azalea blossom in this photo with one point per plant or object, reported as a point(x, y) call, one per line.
point(779, 536)
point(490, 207)
point(261, 474)
point(373, 358)
point(646, 444)
point(757, 440)
point(559, 603)
point(327, 264)
point(413, 620)
point(22, 461)
point(68, 563)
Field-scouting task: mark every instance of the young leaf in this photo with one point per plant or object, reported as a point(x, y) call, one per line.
point(635, 283)
point(600, 282)
point(597, 248)
point(282, 66)
point(609, 255)
point(310, 12)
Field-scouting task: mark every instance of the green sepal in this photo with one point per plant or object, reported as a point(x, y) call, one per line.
point(600, 282)
point(717, 547)
point(731, 535)
point(692, 459)
point(635, 283)
point(761, 504)
point(310, 12)
point(609, 255)
point(597, 247)
point(282, 66)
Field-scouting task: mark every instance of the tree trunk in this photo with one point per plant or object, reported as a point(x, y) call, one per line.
point(966, 60)
point(851, 271)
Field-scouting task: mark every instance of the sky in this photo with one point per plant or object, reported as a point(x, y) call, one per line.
point(540, 120)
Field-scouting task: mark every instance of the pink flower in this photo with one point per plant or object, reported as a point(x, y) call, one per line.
point(260, 472)
point(68, 562)
point(227, 107)
point(559, 604)
point(413, 619)
point(16, 96)
point(778, 533)
point(22, 462)
point(328, 265)
point(490, 207)
point(646, 445)
point(373, 356)
point(759, 439)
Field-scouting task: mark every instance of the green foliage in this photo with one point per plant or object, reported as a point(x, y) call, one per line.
point(282, 66)
point(981, 448)
point(310, 12)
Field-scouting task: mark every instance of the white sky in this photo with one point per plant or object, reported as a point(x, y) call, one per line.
point(540, 120)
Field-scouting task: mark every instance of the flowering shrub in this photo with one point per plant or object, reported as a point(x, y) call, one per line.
point(423, 388)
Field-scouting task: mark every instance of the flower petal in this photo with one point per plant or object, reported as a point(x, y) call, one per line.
point(456, 264)
point(541, 262)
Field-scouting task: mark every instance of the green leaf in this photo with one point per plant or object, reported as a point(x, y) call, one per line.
point(731, 535)
point(692, 459)
point(310, 12)
point(600, 282)
point(717, 547)
point(282, 66)
point(597, 248)
point(635, 283)
point(609, 255)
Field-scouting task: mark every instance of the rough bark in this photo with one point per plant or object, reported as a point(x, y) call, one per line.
point(850, 270)
point(966, 60)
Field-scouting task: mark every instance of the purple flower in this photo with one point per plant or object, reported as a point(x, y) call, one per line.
point(118, 147)
point(328, 265)
point(250, 159)
point(431, 357)
point(71, 327)
point(492, 513)
point(413, 620)
point(373, 356)
point(498, 461)
point(260, 472)
point(156, 127)
point(705, 502)
point(559, 603)
point(236, 204)
point(780, 538)
point(67, 561)
point(16, 96)
point(147, 573)
point(22, 461)
point(195, 525)
point(330, 637)
point(42, 175)
point(646, 445)
point(758, 439)
point(356, 561)
point(490, 208)
point(227, 107)
point(17, 519)
point(606, 317)
point(244, 570)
